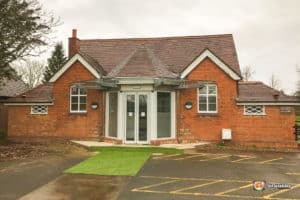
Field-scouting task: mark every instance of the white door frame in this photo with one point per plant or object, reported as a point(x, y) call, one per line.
point(136, 117)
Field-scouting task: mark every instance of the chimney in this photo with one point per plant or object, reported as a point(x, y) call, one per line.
point(73, 43)
point(276, 95)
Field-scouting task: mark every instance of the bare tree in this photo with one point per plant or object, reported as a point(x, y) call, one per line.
point(274, 82)
point(247, 73)
point(31, 71)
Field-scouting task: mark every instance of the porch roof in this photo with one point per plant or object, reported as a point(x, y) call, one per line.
point(258, 92)
point(40, 94)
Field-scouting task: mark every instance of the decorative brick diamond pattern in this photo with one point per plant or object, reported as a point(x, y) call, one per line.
point(39, 109)
point(254, 110)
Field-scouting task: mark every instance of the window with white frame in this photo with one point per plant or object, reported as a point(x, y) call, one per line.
point(207, 99)
point(254, 110)
point(78, 99)
point(39, 109)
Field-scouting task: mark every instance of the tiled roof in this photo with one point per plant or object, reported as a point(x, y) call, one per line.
point(254, 91)
point(174, 53)
point(40, 94)
point(93, 63)
point(142, 61)
point(11, 87)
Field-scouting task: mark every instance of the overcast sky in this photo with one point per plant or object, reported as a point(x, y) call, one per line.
point(266, 32)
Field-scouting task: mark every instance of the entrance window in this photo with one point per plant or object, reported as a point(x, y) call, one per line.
point(112, 114)
point(163, 114)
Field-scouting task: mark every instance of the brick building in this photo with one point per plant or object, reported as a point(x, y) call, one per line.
point(154, 90)
point(9, 88)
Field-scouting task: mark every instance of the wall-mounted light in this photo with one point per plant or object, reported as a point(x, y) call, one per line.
point(94, 105)
point(188, 105)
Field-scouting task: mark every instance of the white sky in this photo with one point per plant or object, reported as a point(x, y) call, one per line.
point(266, 32)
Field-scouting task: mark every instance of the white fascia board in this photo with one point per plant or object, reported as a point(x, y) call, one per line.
point(135, 80)
point(216, 60)
point(28, 104)
point(269, 104)
point(75, 58)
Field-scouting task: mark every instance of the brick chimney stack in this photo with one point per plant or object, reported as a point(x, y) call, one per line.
point(73, 43)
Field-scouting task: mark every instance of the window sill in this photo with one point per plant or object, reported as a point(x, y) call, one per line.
point(208, 114)
point(78, 113)
point(256, 115)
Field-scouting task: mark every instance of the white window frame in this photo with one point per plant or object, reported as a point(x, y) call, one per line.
point(107, 115)
point(207, 95)
point(77, 95)
point(33, 113)
point(172, 112)
point(255, 114)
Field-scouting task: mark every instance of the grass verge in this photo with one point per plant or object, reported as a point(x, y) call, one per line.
point(118, 161)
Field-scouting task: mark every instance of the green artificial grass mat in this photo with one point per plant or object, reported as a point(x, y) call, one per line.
point(138, 149)
point(118, 161)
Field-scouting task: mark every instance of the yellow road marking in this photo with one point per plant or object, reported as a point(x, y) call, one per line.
point(215, 158)
point(233, 189)
point(196, 186)
point(280, 192)
point(166, 156)
point(156, 184)
point(268, 161)
point(212, 195)
point(259, 163)
point(296, 174)
point(241, 159)
point(212, 181)
point(188, 157)
point(194, 179)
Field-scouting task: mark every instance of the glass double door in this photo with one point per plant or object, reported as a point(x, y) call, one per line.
point(136, 118)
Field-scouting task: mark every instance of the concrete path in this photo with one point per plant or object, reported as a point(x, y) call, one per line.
point(21, 177)
point(79, 186)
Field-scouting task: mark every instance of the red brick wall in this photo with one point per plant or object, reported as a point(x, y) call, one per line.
point(60, 122)
point(3, 118)
point(274, 128)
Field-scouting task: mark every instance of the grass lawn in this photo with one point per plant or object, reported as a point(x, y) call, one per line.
point(121, 161)
point(298, 118)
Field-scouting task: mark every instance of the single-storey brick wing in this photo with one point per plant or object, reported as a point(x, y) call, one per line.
point(153, 91)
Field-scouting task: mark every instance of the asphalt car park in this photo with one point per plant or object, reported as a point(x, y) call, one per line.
point(217, 176)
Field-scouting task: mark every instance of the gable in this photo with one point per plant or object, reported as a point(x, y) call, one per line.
point(76, 57)
point(208, 54)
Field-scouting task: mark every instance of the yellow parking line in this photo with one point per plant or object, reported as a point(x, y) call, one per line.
point(196, 186)
point(296, 174)
point(215, 158)
point(233, 189)
point(268, 161)
point(150, 191)
point(188, 157)
point(195, 179)
point(241, 159)
point(154, 185)
point(280, 192)
point(166, 156)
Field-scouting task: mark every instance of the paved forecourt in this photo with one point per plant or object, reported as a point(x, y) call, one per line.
point(216, 176)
